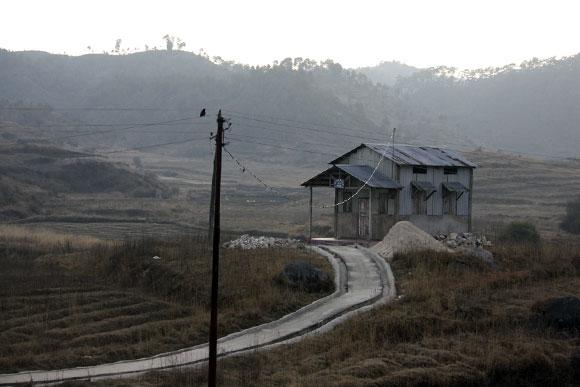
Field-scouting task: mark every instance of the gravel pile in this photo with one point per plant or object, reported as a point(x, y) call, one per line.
point(404, 236)
point(248, 242)
point(464, 239)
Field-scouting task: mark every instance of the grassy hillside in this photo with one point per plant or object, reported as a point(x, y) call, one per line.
point(509, 188)
point(506, 188)
point(33, 173)
point(456, 322)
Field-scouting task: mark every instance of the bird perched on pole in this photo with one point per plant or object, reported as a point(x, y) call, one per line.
point(202, 114)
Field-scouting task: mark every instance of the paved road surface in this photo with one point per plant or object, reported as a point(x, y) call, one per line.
point(363, 280)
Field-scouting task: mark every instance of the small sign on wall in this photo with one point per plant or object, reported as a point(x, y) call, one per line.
point(339, 183)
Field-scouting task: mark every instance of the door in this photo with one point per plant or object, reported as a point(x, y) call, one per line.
point(363, 218)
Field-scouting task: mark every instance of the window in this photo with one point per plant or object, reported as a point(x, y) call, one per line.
point(449, 203)
point(421, 191)
point(450, 171)
point(346, 206)
point(419, 202)
point(420, 170)
point(387, 203)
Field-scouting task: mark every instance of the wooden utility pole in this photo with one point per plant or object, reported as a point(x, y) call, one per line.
point(211, 203)
point(219, 142)
point(310, 217)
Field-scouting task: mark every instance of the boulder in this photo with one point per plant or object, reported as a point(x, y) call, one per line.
point(561, 313)
point(485, 256)
point(303, 275)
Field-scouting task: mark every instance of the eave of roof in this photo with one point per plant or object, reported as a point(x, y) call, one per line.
point(412, 155)
point(362, 173)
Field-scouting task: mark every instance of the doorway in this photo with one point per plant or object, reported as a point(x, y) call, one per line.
point(363, 218)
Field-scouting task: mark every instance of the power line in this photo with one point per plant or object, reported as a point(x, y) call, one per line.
point(332, 147)
point(315, 130)
point(283, 147)
point(251, 117)
point(295, 121)
point(360, 189)
point(155, 145)
point(244, 169)
point(93, 125)
point(98, 109)
point(160, 123)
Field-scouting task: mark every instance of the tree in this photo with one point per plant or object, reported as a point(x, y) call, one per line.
point(180, 44)
point(117, 46)
point(169, 42)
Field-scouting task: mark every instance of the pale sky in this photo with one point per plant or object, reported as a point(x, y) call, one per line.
point(464, 34)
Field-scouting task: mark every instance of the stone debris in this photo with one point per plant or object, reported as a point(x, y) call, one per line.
point(403, 237)
point(463, 239)
point(248, 242)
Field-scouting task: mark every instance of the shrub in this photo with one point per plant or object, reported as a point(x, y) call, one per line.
point(571, 222)
point(520, 232)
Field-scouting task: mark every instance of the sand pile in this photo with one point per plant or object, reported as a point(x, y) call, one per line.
point(403, 237)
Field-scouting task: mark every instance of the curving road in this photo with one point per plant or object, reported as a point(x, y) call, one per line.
point(363, 280)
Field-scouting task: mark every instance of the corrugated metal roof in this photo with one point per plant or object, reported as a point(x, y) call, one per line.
point(455, 186)
point(364, 172)
point(418, 155)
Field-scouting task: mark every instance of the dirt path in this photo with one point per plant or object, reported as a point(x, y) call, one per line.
point(363, 280)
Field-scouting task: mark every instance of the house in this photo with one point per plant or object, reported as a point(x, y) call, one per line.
point(377, 185)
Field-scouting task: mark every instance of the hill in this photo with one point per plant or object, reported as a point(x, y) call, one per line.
point(177, 85)
point(388, 73)
point(525, 108)
point(32, 174)
point(318, 106)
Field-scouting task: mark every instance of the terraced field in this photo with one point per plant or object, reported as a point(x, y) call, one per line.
point(72, 325)
point(64, 305)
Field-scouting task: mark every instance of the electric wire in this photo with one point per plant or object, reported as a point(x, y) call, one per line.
point(92, 125)
point(241, 115)
point(120, 129)
point(295, 121)
point(282, 147)
point(315, 130)
point(331, 147)
point(360, 188)
point(183, 141)
point(245, 169)
point(98, 109)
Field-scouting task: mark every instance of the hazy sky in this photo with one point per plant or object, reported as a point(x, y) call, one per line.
point(464, 34)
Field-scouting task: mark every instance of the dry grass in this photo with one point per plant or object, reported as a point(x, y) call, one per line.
point(458, 323)
point(44, 238)
point(68, 302)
